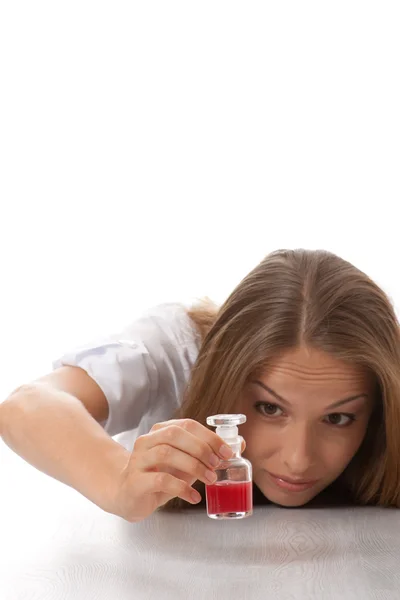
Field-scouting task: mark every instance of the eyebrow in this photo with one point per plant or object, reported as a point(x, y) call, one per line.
point(334, 405)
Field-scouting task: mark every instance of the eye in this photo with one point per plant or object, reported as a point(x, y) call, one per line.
point(340, 419)
point(268, 409)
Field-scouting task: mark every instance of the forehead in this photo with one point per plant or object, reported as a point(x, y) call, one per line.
point(303, 367)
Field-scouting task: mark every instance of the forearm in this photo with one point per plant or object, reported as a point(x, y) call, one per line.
point(54, 432)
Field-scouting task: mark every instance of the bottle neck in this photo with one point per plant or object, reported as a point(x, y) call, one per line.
point(236, 448)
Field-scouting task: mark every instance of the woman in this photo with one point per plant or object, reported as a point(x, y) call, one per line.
point(307, 346)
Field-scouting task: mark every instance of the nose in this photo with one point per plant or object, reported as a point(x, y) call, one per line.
point(298, 450)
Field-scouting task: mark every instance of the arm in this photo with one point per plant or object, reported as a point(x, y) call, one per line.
point(48, 423)
point(53, 424)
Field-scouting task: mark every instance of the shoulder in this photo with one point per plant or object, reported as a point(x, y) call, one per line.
point(141, 366)
point(169, 338)
point(164, 324)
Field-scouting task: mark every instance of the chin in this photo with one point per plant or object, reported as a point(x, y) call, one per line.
point(288, 500)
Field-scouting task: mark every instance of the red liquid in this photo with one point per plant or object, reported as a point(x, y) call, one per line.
point(229, 496)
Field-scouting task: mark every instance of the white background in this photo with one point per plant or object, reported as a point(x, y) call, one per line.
point(156, 151)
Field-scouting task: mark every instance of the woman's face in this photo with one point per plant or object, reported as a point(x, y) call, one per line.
point(306, 418)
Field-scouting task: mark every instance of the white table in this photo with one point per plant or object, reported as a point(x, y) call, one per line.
point(56, 545)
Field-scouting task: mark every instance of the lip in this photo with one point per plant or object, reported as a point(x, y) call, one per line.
point(291, 485)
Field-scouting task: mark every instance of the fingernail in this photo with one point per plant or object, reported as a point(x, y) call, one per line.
point(211, 476)
point(225, 451)
point(195, 497)
point(214, 460)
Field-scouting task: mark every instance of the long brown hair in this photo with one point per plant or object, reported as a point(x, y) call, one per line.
point(315, 298)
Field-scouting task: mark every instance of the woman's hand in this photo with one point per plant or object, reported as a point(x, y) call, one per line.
point(164, 464)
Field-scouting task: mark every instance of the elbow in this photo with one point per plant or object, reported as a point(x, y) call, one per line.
point(9, 407)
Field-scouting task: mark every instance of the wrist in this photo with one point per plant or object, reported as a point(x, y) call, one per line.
point(114, 461)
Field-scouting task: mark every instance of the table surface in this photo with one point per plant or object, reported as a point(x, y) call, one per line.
point(56, 545)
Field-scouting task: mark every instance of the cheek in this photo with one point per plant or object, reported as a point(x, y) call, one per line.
point(336, 449)
point(335, 455)
point(262, 440)
point(251, 432)
point(354, 439)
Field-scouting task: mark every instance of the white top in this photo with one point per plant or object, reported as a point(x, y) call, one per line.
point(143, 369)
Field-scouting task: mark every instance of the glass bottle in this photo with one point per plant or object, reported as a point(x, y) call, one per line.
point(231, 496)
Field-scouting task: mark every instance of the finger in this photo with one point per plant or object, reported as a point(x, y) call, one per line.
point(215, 443)
point(165, 456)
point(190, 479)
point(181, 439)
point(165, 483)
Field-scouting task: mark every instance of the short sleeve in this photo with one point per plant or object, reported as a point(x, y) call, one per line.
point(143, 369)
